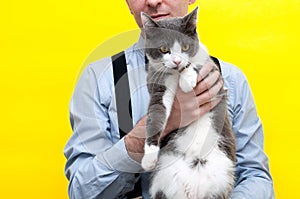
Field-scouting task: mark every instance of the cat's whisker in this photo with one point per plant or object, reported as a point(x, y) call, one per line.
point(157, 75)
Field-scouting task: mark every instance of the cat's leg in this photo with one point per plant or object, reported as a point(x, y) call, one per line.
point(158, 113)
point(154, 126)
point(188, 79)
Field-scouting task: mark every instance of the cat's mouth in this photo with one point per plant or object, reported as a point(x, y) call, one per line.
point(181, 68)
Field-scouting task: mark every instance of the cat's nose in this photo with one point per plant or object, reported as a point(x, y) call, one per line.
point(177, 62)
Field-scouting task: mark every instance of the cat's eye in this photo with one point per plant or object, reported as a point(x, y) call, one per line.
point(164, 49)
point(185, 47)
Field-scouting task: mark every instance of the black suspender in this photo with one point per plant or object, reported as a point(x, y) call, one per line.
point(122, 93)
point(123, 102)
point(217, 62)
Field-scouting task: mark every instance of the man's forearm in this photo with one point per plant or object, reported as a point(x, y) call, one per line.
point(253, 188)
point(135, 140)
point(135, 147)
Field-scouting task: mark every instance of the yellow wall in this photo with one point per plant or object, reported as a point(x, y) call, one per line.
point(45, 43)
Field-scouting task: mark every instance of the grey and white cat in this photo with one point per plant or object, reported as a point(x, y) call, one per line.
point(197, 161)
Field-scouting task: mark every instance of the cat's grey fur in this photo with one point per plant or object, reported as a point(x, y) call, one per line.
point(196, 161)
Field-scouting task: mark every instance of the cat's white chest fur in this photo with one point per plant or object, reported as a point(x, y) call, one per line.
point(181, 178)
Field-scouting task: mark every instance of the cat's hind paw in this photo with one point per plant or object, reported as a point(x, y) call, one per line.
point(150, 157)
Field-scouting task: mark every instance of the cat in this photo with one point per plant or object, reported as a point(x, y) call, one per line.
point(196, 161)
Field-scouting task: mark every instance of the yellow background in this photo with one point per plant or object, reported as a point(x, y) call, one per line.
point(44, 45)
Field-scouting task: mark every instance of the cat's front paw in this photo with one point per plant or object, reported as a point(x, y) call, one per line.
point(187, 80)
point(150, 157)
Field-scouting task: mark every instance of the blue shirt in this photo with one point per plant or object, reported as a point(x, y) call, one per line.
point(98, 165)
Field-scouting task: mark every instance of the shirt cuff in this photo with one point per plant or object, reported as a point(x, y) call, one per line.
point(118, 159)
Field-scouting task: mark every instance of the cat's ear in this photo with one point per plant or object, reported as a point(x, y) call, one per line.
point(190, 21)
point(147, 21)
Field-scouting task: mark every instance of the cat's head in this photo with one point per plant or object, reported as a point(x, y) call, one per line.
point(171, 41)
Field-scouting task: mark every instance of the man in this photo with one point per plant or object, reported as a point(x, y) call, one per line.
point(101, 165)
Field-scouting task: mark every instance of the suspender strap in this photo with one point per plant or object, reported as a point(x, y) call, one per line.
point(122, 93)
point(217, 62)
point(123, 102)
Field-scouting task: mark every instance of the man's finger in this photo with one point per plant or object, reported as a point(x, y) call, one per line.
point(209, 94)
point(207, 83)
point(205, 70)
point(206, 107)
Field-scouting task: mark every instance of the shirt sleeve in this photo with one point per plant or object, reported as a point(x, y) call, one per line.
point(98, 165)
point(253, 179)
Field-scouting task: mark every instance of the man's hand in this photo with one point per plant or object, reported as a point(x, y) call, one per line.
point(188, 107)
point(135, 140)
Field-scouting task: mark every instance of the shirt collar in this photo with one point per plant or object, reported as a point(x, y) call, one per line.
point(140, 46)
